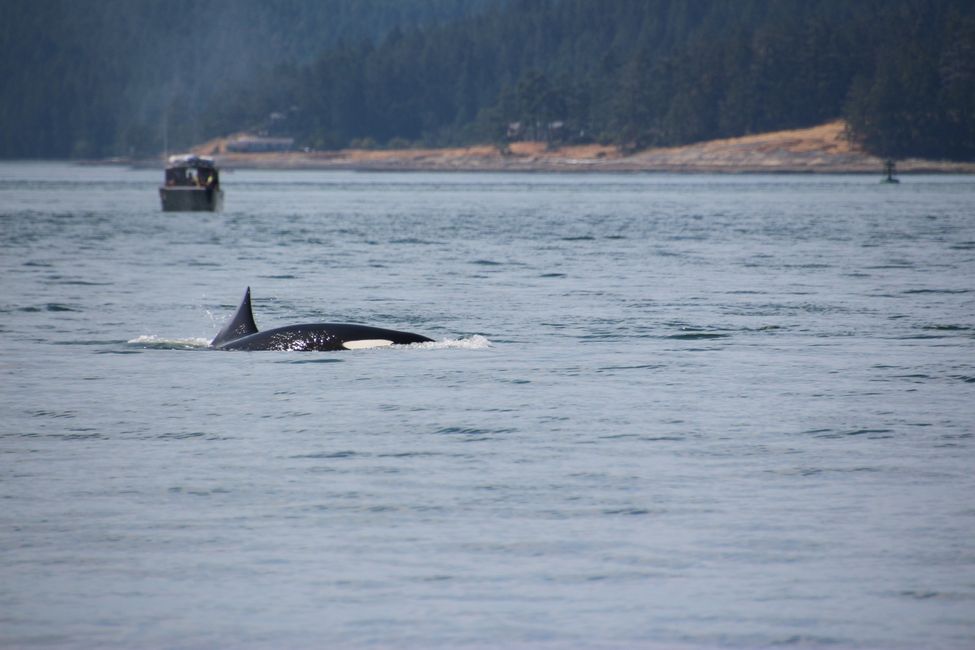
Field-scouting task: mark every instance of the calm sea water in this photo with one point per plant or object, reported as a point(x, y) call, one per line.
point(662, 411)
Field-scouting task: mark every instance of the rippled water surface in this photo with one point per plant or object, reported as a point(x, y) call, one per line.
point(660, 411)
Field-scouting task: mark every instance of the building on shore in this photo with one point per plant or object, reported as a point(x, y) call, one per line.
point(259, 144)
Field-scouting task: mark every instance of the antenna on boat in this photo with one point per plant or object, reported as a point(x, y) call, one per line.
point(165, 134)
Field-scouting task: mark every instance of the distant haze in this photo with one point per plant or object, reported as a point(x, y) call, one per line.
point(133, 79)
point(96, 78)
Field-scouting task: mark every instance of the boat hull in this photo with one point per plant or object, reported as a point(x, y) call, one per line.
point(191, 199)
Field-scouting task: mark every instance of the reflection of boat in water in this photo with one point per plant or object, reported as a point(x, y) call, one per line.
point(192, 184)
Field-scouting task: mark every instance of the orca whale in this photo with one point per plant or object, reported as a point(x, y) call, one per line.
point(240, 333)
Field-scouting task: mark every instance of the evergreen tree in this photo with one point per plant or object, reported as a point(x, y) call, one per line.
point(116, 77)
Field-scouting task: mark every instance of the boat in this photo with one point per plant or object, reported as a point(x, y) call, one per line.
point(192, 184)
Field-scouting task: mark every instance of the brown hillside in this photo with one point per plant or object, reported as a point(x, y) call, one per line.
point(821, 148)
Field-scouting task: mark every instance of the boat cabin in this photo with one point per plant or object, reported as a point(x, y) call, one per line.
point(191, 183)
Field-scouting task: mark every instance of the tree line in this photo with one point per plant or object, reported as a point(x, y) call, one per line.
point(642, 73)
point(121, 78)
point(636, 73)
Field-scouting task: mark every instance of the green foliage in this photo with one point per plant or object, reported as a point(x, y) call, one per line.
point(920, 98)
point(655, 72)
point(114, 77)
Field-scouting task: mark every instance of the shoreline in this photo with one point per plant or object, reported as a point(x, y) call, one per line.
point(817, 150)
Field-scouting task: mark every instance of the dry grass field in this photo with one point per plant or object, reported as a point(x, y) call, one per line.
point(823, 149)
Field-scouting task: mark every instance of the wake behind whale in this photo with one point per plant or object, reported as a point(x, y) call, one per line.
point(241, 333)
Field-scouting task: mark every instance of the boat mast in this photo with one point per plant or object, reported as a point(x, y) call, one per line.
point(165, 134)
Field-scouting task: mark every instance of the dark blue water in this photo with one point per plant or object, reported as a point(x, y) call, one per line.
point(661, 412)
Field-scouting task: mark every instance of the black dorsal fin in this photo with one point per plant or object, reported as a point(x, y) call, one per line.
point(241, 325)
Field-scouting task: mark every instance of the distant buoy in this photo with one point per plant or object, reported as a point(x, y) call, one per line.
point(889, 169)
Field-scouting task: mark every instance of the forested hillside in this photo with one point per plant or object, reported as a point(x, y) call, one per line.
point(635, 73)
point(83, 78)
